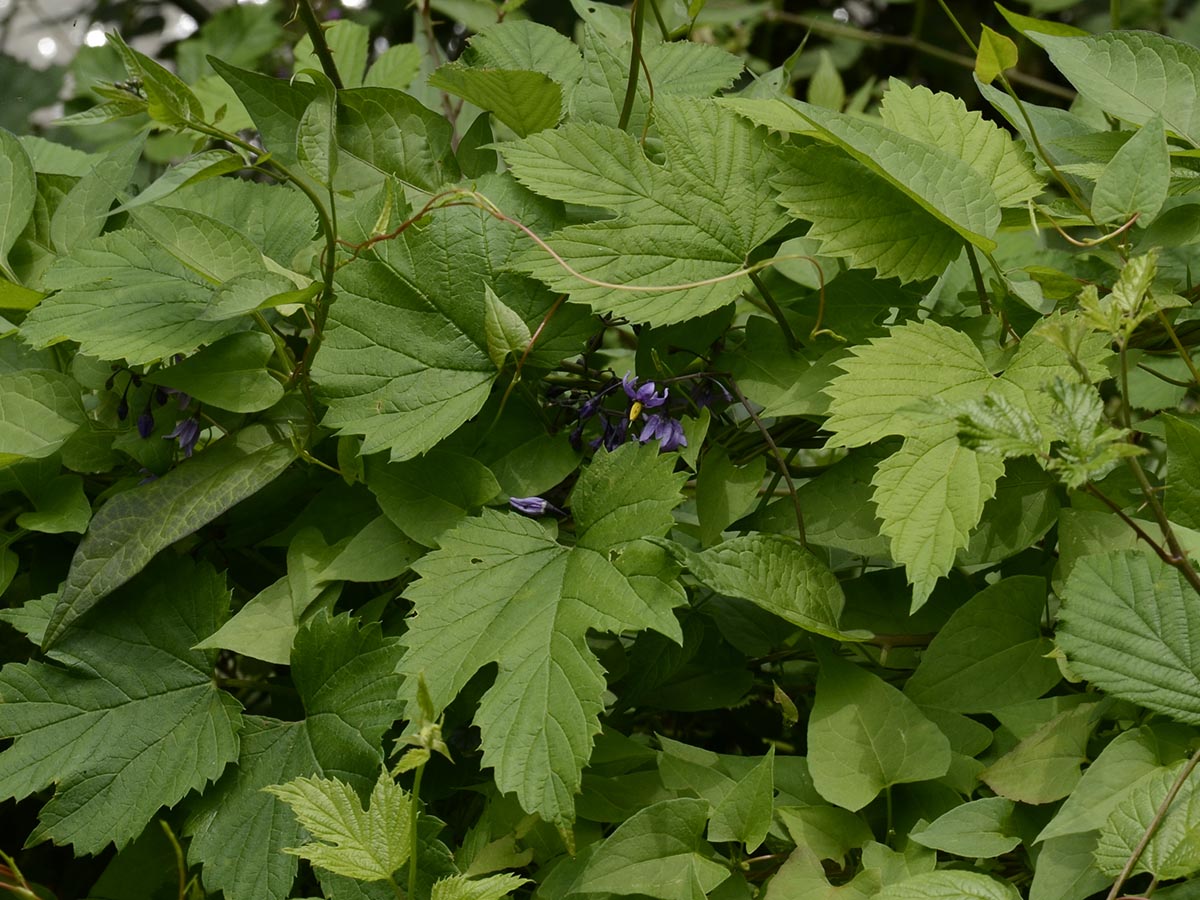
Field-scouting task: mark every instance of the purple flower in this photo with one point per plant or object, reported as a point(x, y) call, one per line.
point(533, 506)
point(145, 424)
point(667, 431)
point(642, 395)
point(187, 431)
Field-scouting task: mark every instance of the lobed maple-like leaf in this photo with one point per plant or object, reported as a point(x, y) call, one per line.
point(126, 718)
point(502, 589)
point(694, 219)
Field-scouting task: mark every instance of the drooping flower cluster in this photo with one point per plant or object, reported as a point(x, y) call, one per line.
point(617, 425)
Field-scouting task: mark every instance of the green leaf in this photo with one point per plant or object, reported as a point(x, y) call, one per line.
point(979, 829)
point(81, 215)
point(39, 410)
point(117, 744)
point(316, 138)
point(1045, 766)
point(405, 357)
point(940, 183)
point(658, 852)
point(950, 885)
point(395, 67)
point(1133, 75)
point(1129, 759)
point(18, 191)
point(386, 133)
point(1183, 471)
point(997, 53)
point(507, 333)
point(1136, 180)
point(193, 170)
point(859, 216)
point(887, 378)
point(929, 496)
point(1173, 851)
point(825, 88)
point(112, 298)
point(828, 832)
point(59, 506)
point(276, 105)
point(170, 101)
point(463, 887)
point(942, 120)
point(744, 813)
point(525, 101)
point(1130, 625)
point(694, 220)
point(517, 44)
point(864, 736)
point(1066, 869)
point(725, 492)
point(133, 526)
point(428, 496)
point(838, 509)
point(230, 374)
point(991, 653)
point(776, 573)
point(365, 844)
point(345, 677)
point(502, 590)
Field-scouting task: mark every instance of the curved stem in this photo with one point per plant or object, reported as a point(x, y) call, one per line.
point(412, 852)
point(316, 34)
point(635, 57)
point(776, 311)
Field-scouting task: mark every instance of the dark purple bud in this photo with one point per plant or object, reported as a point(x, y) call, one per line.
point(576, 436)
point(706, 392)
point(615, 436)
point(185, 400)
point(135, 379)
point(590, 406)
point(123, 409)
point(145, 424)
point(187, 431)
point(161, 396)
point(108, 382)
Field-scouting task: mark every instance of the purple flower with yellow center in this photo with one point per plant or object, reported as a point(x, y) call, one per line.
point(533, 506)
point(187, 431)
point(642, 395)
point(667, 431)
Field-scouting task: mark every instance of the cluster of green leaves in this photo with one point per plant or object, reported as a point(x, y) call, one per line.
point(873, 580)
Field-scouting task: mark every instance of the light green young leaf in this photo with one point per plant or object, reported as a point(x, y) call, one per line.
point(1130, 624)
point(979, 829)
point(744, 813)
point(657, 852)
point(864, 736)
point(116, 744)
point(345, 677)
point(525, 101)
point(825, 88)
point(365, 844)
point(193, 170)
point(169, 100)
point(997, 53)
point(395, 68)
point(1136, 180)
point(507, 333)
point(230, 374)
point(1174, 849)
point(934, 179)
point(59, 506)
point(775, 572)
point(316, 137)
point(405, 357)
point(889, 376)
point(1130, 758)
point(518, 44)
point(133, 526)
point(725, 492)
point(828, 832)
point(696, 219)
point(39, 410)
point(502, 589)
point(1133, 75)
point(949, 884)
point(18, 191)
point(943, 121)
point(1183, 471)
point(930, 496)
point(463, 887)
point(991, 653)
point(1066, 869)
point(1044, 767)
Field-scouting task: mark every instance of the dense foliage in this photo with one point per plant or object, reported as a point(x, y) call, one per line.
point(584, 467)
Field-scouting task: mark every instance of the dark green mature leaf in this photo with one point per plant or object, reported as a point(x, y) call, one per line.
point(405, 358)
point(387, 132)
point(1130, 625)
point(1045, 765)
point(133, 526)
point(502, 589)
point(525, 101)
point(18, 191)
point(276, 105)
point(982, 828)
point(864, 736)
point(81, 215)
point(39, 411)
point(950, 885)
point(126, 718)
point(1136, 180)
point(345, 675)
point(1183, 471)
point(428, 496)
point(991, 653)
point(230, 374)
point(694, 220)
